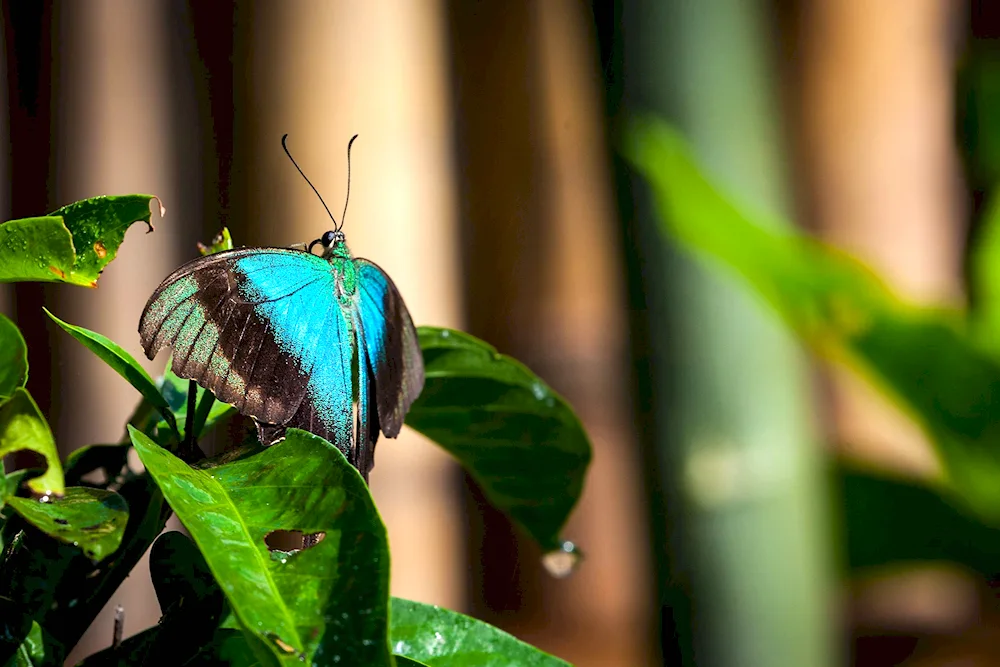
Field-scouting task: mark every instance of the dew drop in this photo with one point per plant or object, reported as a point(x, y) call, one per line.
point(538, 389)
point(562, 562)
point(45, 498)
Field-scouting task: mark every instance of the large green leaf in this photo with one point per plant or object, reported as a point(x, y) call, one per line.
point(22, 427)
point(441, 638)
point(519, 439)
point(327, 603)
point(72, 244)
point(121, 362)
point(13, 359)
point(92, 519)
point(920, 358)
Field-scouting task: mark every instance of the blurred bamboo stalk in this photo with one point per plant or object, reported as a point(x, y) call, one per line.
point(341, 69)
point(881, 175)
point(112, 96)
point(599, 617)
point(881, 178)
point(749, 539)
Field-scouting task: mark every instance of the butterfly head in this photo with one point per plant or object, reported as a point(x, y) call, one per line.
point(334, 244)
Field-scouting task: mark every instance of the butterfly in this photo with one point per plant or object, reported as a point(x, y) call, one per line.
point(320, 342)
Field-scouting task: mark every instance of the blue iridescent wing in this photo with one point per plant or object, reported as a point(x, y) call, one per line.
point(391, 349)
point(261, 328)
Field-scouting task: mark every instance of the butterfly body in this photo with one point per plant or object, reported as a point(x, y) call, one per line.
point(293, 339)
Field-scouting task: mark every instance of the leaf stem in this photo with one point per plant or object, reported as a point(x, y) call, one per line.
point(201, 414)
point(190, 434)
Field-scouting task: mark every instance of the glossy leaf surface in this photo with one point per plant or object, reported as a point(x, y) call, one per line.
point(518, 438)
point(72, 244)
point(22, 427)
point(92, 519)
point(920, 358)
point(442, 638)
point(119, 360)
point(327, 603)
point(13, 359)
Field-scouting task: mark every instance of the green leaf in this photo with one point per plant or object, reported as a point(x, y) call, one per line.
point(225, 647)
point(441, 638)
point(327, 603)
point(13, 359)
point(985, 272)
point(22, 427)
point(9, 484)
point(71, 245)
point(23, 642)
point(222, 241)
point(519, 439)
point(109, 458)
point(920, 358)
point(33, 567)
point(886, 520)
point(402, 661)
point(92, 519)
point(192, 605)
point(122, 363)
point(179, 571)
point(81, 587)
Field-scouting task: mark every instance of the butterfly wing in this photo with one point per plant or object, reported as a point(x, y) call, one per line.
point(261, 328)
point(391, 350)
point(367, 426)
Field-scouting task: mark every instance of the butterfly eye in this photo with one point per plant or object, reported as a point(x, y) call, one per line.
point(328, 239)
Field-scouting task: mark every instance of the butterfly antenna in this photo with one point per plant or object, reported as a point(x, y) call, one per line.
point(348, 197)
point(302, 173)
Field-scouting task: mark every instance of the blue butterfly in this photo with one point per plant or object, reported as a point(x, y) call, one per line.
point(294, 339)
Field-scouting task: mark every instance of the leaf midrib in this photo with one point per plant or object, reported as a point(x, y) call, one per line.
point(260, 559)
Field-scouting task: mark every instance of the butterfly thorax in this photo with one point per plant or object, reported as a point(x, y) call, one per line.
point(339, 256)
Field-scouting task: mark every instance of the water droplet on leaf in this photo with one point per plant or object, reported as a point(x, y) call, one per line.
point(562, 562)
point(538, 389)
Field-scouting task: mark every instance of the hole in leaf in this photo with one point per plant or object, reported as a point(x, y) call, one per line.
point(290, 541)
point(62, 522)
point(26, 459)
